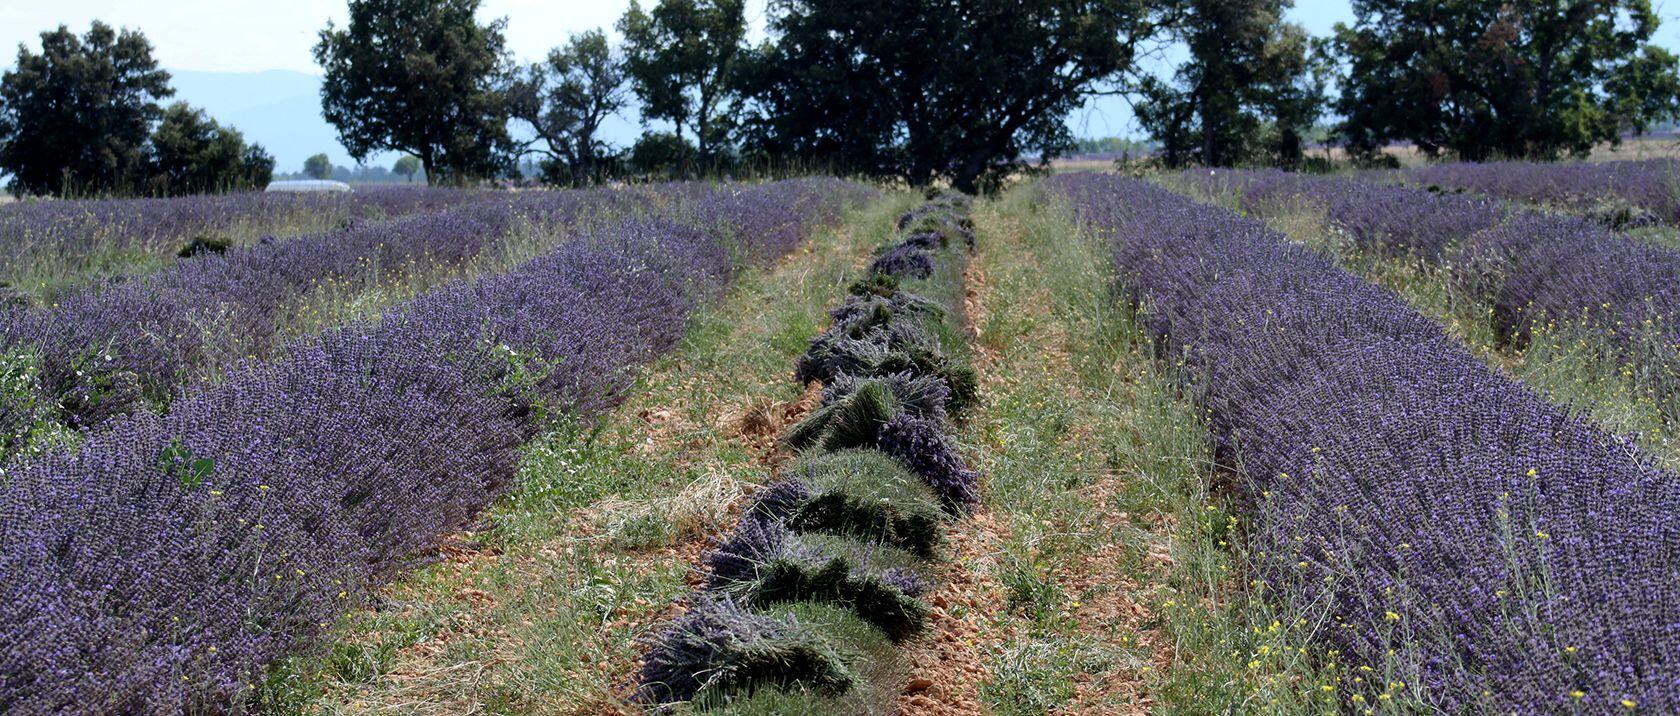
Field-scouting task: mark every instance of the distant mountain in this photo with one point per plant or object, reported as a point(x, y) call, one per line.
point(279, 109)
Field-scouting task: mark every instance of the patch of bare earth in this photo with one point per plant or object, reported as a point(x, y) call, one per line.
point(947, 665)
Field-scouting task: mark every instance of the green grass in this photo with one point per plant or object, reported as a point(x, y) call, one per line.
point(1105, 479)
point(598, 539)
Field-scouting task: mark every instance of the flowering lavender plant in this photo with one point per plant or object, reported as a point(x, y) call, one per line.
point(159, 566)
point(1490, 551)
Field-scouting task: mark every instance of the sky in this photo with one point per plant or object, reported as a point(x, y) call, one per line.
point(255, 35)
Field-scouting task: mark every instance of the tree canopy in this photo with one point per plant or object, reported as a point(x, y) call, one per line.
point(1248, 93)
point(565, 99)
point(932, 89)
point(1517, 79)
point(318, 166)
point(406, 166)
point(76, 116)
point(682, 58)
point(192, 154)
point(421, 77)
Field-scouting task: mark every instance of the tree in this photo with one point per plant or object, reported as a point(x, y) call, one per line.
point(191, 153)
point(76, 116)
point(421, 77)
point(318, 166)
point(1247, 91)
point(661, 154)
point(682, 60)
point(1502, 78)
point(406, 167)
point(935, 89)
point(565, 100)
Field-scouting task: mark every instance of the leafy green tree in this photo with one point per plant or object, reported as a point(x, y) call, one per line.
point(1247, 92)
point(191, 154)
point(934, 89)
point(76, 116)
point(406, 167)
point(682, 59)
point(421, 77)
point(1502, 78)
point(318, 166)
point(662, 154)
point(565, 99)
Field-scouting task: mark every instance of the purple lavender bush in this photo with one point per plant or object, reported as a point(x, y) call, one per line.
point(74, 236)
point(1621, 194)
point(158, 567)
point(1458, 533)
point(104, 348)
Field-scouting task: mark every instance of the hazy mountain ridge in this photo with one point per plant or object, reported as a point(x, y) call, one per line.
point(279, 109)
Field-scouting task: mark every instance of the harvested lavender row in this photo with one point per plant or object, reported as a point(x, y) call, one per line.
point(855, 522)
point(1480, 549)
point(75, 233)
point(159, 567)
point(1620, 194)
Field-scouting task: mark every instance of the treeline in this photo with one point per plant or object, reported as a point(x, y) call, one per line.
point(969, 92)
point(83, 117)
point(921, 91)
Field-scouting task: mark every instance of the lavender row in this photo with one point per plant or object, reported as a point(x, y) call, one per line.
point(1479, 549)
point(1621, 194)
point(161, 565)
point(854, 523)
point(1380, 219)
point(74, 233)
point(1536, 270)
point(102, 351)
point(103, 348)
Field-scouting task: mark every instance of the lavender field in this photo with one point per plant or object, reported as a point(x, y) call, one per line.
point(1228, 441)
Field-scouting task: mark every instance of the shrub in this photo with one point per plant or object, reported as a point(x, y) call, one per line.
point(720, 648)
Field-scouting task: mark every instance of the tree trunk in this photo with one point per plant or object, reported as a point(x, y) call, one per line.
point(968, 173)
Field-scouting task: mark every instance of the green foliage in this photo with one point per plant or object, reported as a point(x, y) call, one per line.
point(925, 90)
point(836, 580)
point(75, 118)
point(1485, 78)
point(661, 154)
point(193, 154)
point(682, 58)
point(320, 167)
point(868, 496)
point(422, 77)
point(1251, 88)
point(406, 167)
point(849, 422)
point(565, 99)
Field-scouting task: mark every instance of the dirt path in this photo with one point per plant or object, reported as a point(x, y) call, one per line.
point(1058, 574)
